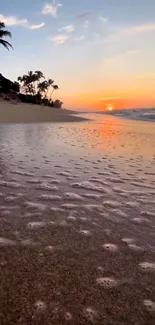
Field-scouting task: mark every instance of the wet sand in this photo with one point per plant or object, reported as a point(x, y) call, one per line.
point(25, 113)
point(77, 223)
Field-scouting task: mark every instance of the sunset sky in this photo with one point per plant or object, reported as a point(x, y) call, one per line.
point(101, 53)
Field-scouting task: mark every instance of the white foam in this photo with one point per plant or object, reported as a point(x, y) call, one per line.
point(46, 187)
point(147, 266)
point(110, 247)
point(149, 304)
point(35, 205)
point(63, 173)
point(131, 204)
point(112, 204)
point(46, 197)
point(11, 198)
point(89, 186)
point(11, 184)
point(68, 316)
point(6, 242)
point(90, 314)
point(85, 232)
point(36, 224)
point(69, 206)
point(107, 282)
point(128, 240)
point(73, 197)
point(40, 306)
point(140, 220)
point(135, 247)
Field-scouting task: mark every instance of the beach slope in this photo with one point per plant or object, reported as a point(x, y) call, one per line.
point(25, 113)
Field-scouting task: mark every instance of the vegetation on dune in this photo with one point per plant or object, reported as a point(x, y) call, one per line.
point(37, 90)
point(31, 87)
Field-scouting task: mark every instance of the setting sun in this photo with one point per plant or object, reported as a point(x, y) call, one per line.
point(110, 108)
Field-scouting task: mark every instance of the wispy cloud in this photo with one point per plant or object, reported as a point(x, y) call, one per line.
point(96, 36)
point(79, 39)
point(140, 29)
point(37, 26)
point(68, 29)
point(109, 98)
point(112, 59)
point(84, 15)
point(13, 21)
point(103, 19)
point(51, 8)
point(86, 24)
point(59, 39)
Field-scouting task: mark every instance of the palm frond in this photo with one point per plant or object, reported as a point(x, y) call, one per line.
point(6, 44)
point(4, 33)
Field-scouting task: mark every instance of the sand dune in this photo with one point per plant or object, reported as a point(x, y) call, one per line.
point(25, 113)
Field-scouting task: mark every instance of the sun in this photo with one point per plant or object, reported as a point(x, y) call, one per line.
point(110, 108)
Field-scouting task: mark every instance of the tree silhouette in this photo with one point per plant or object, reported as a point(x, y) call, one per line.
point(4, 33)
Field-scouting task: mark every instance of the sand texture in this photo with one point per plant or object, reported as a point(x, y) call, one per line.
point(25, 113)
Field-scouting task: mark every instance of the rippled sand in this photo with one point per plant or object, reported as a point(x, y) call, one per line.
point(77, 223)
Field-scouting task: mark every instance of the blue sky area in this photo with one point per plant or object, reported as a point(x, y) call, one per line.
point(100, 52)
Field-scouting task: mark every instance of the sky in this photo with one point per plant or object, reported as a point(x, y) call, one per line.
point(101, 53)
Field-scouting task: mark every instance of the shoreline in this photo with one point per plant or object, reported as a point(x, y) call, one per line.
point(28, 113)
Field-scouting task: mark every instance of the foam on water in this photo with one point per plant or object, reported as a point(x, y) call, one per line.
point(40, 306)
point(110, 247)
point(73, 197)
point(89, 186)
point(35, 205)
point(147, 266)
point(85, 232)
point(36, 224)
point(107, 282)
point(128, 240)
point(90, 314)
point(46, 197)
point(7, 242)
point(111, 204)
point(69, 206)
point(46, 187)
point(149, 304)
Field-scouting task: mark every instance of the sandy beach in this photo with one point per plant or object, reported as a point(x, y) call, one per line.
point(25, 113)
point(77, 222)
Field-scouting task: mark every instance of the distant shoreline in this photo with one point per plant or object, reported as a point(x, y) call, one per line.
point(25, 113)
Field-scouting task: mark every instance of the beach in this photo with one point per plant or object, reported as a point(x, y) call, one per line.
point(25, 113)
point(77, 219)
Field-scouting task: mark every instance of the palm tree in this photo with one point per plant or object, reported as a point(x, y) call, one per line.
point(50, 83)
point(55, 87)
point(4, 33)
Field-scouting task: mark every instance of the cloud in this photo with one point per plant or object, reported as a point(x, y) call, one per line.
point(13, 21)
point(109, 98)
point(103, 19)
point(37, 26)
point(79, 39)
point(110, 60)
point(59, 39)
point(86, 24)
point(51, 8)
point(68, 29)
point(96, 36)
point(84, 15)
point(140, 29)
